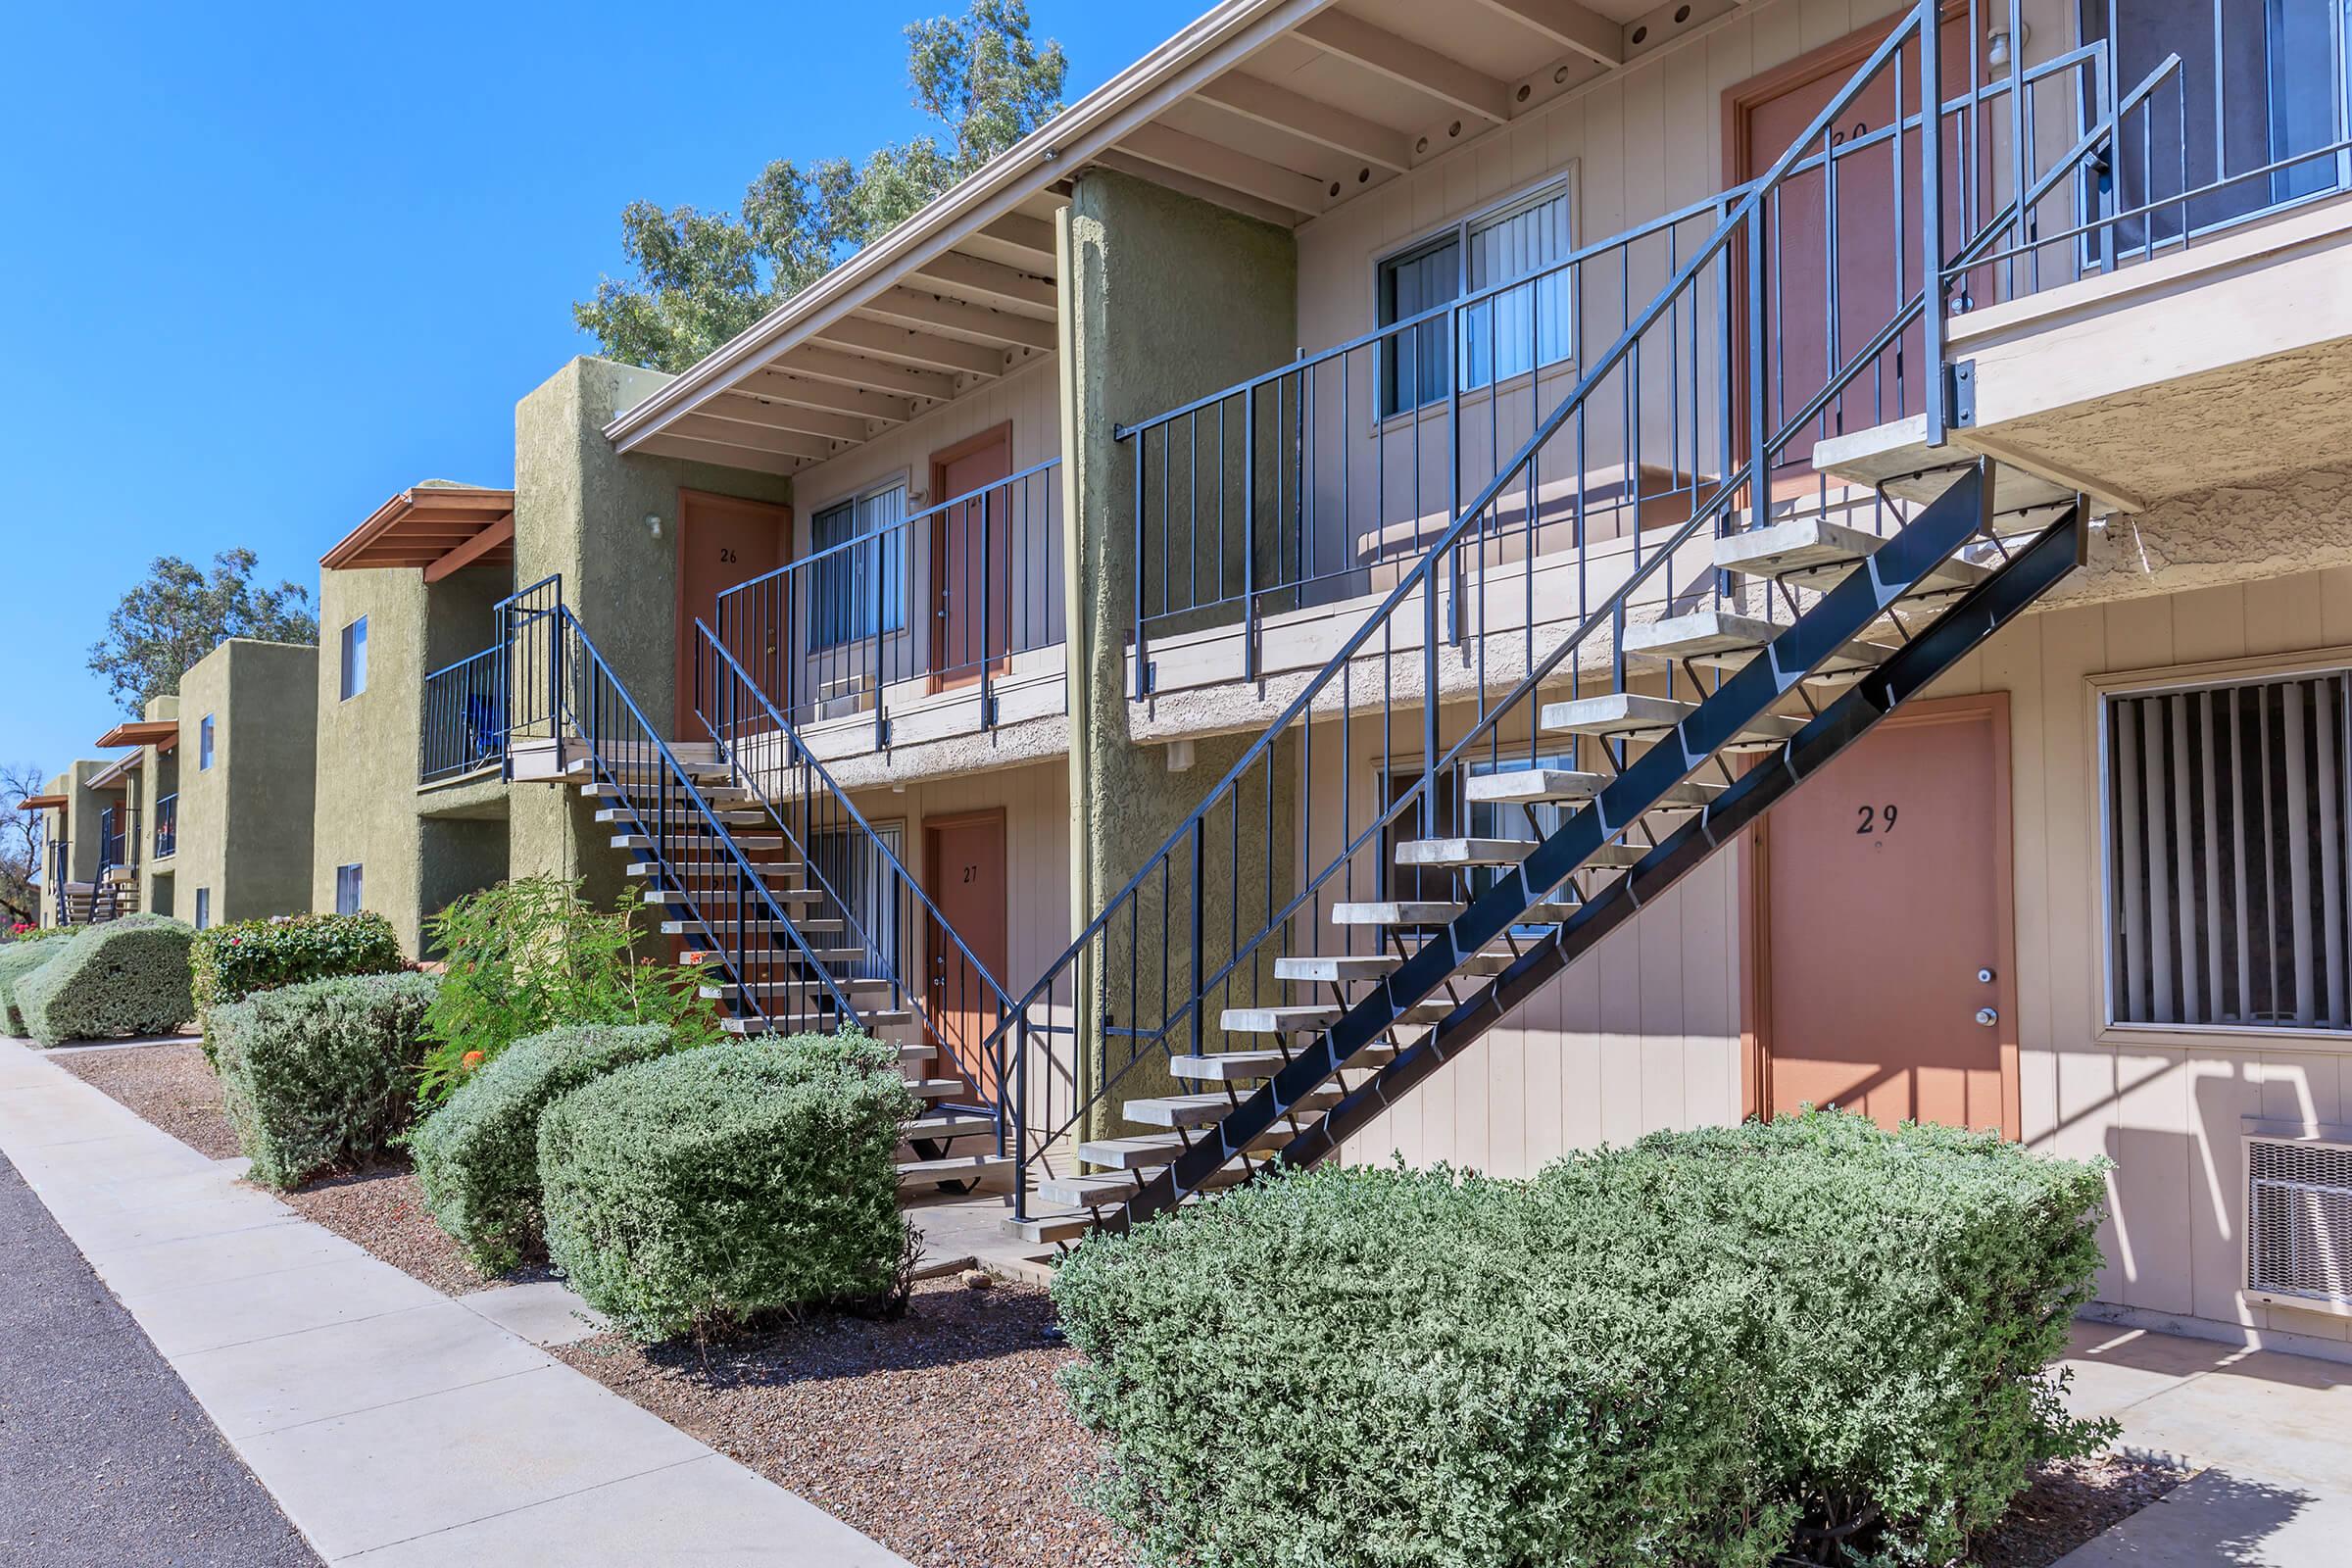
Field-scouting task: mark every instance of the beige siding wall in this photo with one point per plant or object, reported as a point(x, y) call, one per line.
point(1035, 801)
point(2165, 1105)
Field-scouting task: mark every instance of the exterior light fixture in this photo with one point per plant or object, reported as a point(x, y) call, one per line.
point(653, 523)
point(1998, 50)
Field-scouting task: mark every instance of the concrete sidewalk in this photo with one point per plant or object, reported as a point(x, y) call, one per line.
point(2272, 1432)
point(393, 1425)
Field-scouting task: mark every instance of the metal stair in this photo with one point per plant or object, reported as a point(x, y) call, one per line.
point(780, 949)
point(1617, 740)
point(1384, 1022)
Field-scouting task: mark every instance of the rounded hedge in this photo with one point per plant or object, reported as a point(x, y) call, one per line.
point(121, 977)
point(477, 1155)
point(705, 1188)
point(1707, 1349)
point(17, 960)
point(322, 1076)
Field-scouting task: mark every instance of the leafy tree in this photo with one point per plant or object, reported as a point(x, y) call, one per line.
point(703, 278)
point(178, 615)
point(20, 845)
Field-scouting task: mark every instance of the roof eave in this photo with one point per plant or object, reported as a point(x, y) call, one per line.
point(1066, 141)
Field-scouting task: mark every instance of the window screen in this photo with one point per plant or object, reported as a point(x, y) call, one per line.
point(2226, 870)
point(349, 890)
point(1500, 336)
point(862, 590)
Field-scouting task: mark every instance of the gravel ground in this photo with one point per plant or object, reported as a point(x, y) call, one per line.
point(106, 1460)
point(382, 1209)
point(942, 1435)
point(2074, 1500)
point(172, 1085)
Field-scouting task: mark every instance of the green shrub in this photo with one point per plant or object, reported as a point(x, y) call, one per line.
point(1713, 1348)
point(530, 955)
point(17, 960)
point(123, 977)
point(706, 1186)
point(320, 1076)
point(233, 961)
point(477, 1157)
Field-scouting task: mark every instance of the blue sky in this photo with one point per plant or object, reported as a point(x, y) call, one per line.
point(269, 264)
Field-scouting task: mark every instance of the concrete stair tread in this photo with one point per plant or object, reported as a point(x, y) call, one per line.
point(938, 1088)
point(1897, 454)
point(785, 895)
point(1313, 1017)
point(1463, 851)
point(1396, 911)
point(1150, 1150)
point(810, 986)
point(1206, 1110)
point(1545, 786)
point(953, 1167)
point(946, 1125)
point(1634, 714)
point(1351, 968)
point(1717, 639)
point(1048, 1229)
point(1237, 1067)
point(1812, 552)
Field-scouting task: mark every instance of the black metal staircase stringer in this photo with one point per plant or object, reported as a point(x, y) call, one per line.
point(2053, 554)
point(1947, 523)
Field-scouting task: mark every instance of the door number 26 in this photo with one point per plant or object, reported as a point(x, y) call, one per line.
point(1876, 819)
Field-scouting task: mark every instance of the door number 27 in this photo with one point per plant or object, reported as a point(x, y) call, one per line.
point(1876, 819)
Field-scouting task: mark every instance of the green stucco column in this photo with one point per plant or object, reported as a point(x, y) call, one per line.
point(607, 521)
point(1165, 299)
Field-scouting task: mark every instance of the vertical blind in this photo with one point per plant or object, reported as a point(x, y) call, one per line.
point(858, 591)
point(1498, 336)
point(855, 875)
point(2228, 871)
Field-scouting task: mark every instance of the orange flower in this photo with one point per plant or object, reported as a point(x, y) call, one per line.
point(471, 1058)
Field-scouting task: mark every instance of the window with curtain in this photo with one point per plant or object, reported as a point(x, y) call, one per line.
point(862, 590)
point(2226, 863)
point(1499, 337)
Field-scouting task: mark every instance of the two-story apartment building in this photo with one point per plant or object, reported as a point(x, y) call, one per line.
point(1478, 579)
point(1551, 361)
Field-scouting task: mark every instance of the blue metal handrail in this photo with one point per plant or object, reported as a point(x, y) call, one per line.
point(464, 722)
point(840, 624)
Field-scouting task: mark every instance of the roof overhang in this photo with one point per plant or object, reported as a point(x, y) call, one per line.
point(160, 733)
point(44, 802)
point(434, 526)
point(114, 773)
point(1284, 110)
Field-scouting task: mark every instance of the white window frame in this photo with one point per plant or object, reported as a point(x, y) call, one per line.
point(359, 887)
point(1562, 182)
point(2218, 675)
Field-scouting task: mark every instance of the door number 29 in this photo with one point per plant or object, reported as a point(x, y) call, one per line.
point(1876, 819)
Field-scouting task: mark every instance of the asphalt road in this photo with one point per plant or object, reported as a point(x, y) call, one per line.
point(106, 1460)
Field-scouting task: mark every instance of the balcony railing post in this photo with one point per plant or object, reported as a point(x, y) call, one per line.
point(1249, 530)
point(1143, 652)
point(1931, 213)
point(881, 722)
point(988, 698)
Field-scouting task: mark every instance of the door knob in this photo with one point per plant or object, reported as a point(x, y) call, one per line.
point(1987, 1016)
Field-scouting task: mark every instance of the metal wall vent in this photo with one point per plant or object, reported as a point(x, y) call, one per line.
point(2299, 1219)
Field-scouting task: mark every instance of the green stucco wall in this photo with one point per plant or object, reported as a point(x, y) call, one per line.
point(370, 812)
point(1146, 268)
point(580, 509)
point(246, 823)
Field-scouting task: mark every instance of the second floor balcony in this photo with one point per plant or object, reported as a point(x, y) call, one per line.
point(2004, 270)
point(901, 627)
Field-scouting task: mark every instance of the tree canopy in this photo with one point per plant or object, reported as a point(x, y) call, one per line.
point(702, 277)
point(180, 614)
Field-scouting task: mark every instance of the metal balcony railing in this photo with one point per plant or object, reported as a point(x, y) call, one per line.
point(167, 824)
point(465, 718)
point(1324, 480)
point(946, 600)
